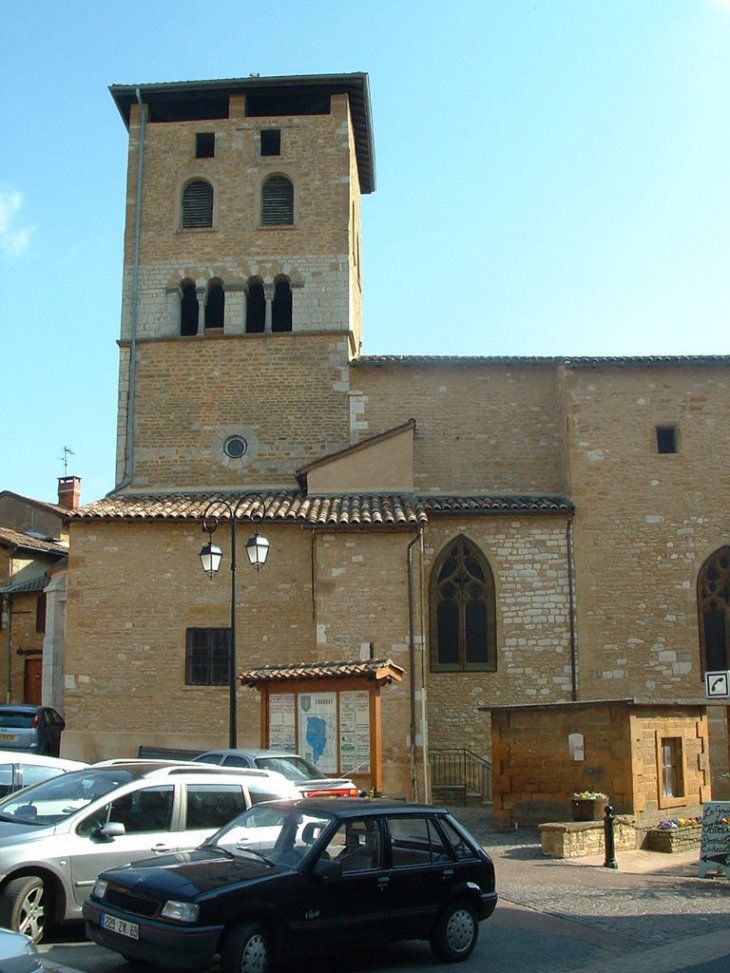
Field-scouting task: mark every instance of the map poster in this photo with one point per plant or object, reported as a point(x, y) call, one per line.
point(715, 848)
point(355, 732)
point(318, 737)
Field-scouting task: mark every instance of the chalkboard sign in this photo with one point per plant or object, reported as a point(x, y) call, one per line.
point(715, 849)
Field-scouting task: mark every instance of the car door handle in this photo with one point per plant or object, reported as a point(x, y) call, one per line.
point(383, 882)
point(160, 849)
point(447, 873)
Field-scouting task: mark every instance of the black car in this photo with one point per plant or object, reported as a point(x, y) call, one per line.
point(295, 878)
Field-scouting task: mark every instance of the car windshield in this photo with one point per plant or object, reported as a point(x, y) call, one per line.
point(281, 835)
point(55, 800)
point(293, 767)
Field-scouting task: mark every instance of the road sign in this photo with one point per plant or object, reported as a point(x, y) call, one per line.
point(717, 684)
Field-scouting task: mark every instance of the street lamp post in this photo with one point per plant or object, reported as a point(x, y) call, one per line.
point(257, 549)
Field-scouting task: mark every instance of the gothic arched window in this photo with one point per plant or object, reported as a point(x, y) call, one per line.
point(197, 204)
point(713, 605)
point(463, 630)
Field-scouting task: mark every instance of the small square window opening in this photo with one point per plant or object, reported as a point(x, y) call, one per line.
point(666, 439)
point(271, 141)
point(205, 145)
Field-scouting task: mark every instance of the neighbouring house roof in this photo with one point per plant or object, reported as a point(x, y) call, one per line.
point(348, 510)
point(356, 447)
point(34, 584)
point(378, 670)
point(30, 542)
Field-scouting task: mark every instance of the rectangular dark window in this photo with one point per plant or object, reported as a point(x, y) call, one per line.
point(40, 612)
point(207, 652)
point(271, 141)
point(205, 145)
point(666, 439)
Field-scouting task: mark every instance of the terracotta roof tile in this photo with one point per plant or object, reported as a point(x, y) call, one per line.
point(347, 510)
point(382, 670)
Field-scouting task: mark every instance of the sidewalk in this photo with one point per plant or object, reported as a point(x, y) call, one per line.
point(652, 914)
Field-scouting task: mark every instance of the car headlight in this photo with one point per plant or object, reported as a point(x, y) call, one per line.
point(180, 911)
point(100, 886)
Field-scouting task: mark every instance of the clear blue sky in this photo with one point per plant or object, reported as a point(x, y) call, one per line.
point(553, 178)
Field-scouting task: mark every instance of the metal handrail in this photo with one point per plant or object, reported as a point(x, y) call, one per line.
point(461, 768)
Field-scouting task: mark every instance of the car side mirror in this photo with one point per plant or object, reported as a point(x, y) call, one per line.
point(111, 830)
point(327, 870)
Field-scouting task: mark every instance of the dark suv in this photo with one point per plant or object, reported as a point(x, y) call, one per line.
point(296, 878)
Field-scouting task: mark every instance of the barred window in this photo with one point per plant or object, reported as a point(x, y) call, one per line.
point(207, 656)
point(277, 202)
point(463, 633)
point(197, 204)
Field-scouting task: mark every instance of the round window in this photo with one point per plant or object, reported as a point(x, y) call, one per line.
point(235, 447)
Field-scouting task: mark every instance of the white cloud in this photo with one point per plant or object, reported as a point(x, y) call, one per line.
point(720, 4)
point(13, 240)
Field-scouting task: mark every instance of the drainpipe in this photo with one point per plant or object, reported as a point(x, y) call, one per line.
point(412, 662)
point(9, 661)
point(129, 465)
point(571, 596)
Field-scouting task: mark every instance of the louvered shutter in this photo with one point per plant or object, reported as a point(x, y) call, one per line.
point(277, 202)
point(197, 204)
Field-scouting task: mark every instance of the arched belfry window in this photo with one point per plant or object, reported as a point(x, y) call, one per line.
point(277, 202)
point(255, 306)
point(188, 308)
point(463, 632)
point(281, 307)
point(197, 204)
point(713, 604)
point(215, 305)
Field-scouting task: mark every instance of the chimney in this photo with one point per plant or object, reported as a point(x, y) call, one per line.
point(69, 492)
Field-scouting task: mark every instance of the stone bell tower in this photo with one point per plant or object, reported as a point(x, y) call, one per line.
point(242, 291)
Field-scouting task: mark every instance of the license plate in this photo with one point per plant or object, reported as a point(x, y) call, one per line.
point(7, 736)
point(120, 926)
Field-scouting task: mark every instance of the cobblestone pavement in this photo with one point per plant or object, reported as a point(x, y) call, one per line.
point(653, 907)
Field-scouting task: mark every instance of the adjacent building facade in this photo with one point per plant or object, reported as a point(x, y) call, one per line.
point(475, 531)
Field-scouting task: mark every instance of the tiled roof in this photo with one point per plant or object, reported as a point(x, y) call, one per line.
point(571, 362)
point(35, 584)
point(381, 670)
point(362, 509)
point(19, 538)
point(508, 504)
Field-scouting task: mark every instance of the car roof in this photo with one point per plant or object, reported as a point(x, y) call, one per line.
point(358, 807)
point(22, 757)
point(22, 707)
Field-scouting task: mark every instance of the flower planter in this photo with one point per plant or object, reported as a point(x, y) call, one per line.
point(675, 839)
point(588, 809)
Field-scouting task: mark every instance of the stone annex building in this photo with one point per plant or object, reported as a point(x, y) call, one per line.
point(447, 534)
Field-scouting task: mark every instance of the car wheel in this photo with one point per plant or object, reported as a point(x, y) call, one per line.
point(246, 949)
point(22, 906)
point(456, 932)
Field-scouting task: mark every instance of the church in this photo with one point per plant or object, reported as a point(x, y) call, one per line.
point(446, 535)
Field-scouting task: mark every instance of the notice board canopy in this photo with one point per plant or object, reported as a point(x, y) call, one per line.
point(329, 712)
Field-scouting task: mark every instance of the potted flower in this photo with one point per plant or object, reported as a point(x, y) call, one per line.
point(588, 805)
point(675, 834)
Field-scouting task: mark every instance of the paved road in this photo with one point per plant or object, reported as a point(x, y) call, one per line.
point(651, 915)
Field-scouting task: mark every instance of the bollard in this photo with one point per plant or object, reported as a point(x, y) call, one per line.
point(609, 839)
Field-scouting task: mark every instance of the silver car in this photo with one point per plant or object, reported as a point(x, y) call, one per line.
point(18, 770)
point(57, 836)
point(18, 953)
